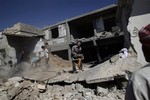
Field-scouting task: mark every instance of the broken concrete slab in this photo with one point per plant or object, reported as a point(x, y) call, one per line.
point(102, 72)
point(15, 79)
point(29, 90)
point(21, 29)
point(41, 87)
point(107, 70)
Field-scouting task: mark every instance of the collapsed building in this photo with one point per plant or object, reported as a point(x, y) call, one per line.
point(98, 31)
point(23, 38)
point(18, 43)
point(103, 32)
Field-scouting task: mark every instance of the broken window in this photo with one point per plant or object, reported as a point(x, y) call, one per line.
point(81, 28)
point(55, 33)
point(99, 24)
point(63, 54)
point(62, 30)
point(109, 23)
point(110, 47)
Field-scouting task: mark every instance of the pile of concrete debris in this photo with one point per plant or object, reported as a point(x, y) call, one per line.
point(55, 82)
point(17, 88)
point(54, 65)
point(59, 62)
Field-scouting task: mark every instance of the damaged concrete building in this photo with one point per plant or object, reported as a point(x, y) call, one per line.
point(18, 43)
point(98, 31)
point(103, 32)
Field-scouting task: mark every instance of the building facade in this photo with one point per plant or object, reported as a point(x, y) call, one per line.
point(98, 31)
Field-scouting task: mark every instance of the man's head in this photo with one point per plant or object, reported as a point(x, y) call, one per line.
point(144, 36)
point(78, 43)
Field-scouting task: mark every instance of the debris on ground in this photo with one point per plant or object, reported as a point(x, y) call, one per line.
point(54, 80)
point(17, 88)
point(57, 61)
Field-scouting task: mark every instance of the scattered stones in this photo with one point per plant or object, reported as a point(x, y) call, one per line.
point(102, 91)
point(27, 90)
point(41, 87)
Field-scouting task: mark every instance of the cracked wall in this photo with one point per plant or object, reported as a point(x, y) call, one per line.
point(132, 16)
point(9, 52)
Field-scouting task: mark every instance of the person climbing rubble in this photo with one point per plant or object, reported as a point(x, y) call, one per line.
point(36, 53)
point(77, 56)
point(139, 83)
point(44, 53)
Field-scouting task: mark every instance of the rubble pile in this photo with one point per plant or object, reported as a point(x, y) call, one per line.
point(17, 88)
point(41, 71)
point(53, 80)
point(59, 62)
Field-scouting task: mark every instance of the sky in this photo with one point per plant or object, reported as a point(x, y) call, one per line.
point(42, 13)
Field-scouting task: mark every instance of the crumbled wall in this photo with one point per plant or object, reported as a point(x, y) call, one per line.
point(10, 51)
point(22, 29)
point(140, 17)
point(132, 15)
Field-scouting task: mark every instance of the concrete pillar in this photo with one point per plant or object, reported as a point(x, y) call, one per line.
point(68, 41)
point(127, 42)
point(97, 51)
point(68, 32)
point(47, 34)
point(69, 54)
point(94, 26)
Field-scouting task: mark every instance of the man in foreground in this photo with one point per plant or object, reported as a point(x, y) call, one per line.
point(138, 87)
point(77, 56)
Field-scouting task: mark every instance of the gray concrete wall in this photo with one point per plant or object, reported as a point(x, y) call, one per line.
point(10, 52)
point(62, 42)
point(26, 44)
point(22, 29)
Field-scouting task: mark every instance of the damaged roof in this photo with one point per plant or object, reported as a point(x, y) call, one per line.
point(24, 30)
point(83, 15)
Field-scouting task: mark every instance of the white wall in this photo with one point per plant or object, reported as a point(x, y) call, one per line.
point(47, 34)
point(62, 30)
point(140, 17)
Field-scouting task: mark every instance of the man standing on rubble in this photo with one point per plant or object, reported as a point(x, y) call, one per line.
point(138, 87)
point(77, 56)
